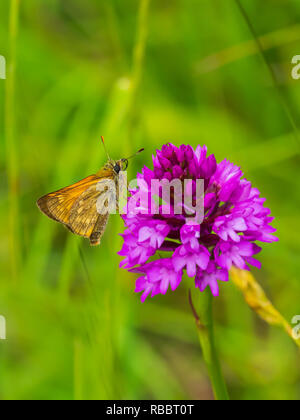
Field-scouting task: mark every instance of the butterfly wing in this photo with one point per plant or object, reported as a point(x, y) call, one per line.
point(99, 229)
point(85, 218)
point(58, 205)
point(76, 207)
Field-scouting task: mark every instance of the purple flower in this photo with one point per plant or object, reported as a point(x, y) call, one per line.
point(229, 226)
point(239, 254)
point(153, 233)
point(134, 252)
point(187, 257)
point(190, 235)
point(235, 219)
point(210, 277)
point(158, 277)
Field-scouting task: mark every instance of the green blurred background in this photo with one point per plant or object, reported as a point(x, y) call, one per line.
point(142, 73)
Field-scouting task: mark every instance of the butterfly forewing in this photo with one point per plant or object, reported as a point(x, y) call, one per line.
point(76, 207)
point(58, 205)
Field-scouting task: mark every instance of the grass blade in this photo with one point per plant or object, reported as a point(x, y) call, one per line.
point(11, 147)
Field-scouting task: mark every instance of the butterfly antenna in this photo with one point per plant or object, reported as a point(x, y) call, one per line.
point(137, 153)
point(103, 142)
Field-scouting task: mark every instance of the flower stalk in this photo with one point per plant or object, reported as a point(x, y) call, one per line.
point(258, 301)
point(205, 328)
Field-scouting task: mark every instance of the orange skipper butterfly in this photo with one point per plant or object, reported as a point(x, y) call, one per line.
point(76, 206)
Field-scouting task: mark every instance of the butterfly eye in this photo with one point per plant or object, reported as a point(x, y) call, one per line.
point(117, 168)
point(125, 164)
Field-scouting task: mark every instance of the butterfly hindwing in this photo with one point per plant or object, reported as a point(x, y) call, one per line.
point(99, 229)
point(84, 214)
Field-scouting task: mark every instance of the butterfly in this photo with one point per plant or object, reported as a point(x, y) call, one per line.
point(77, 207)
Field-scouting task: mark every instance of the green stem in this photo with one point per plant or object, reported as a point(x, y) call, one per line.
point(204, 322)
point(10, 136)
point(140, 46)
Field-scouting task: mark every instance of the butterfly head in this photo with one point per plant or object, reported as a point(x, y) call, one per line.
point(120, 165)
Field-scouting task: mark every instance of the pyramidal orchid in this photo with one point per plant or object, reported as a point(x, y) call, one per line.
point(164, 245)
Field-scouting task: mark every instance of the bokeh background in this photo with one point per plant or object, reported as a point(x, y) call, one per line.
point(142, 73)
